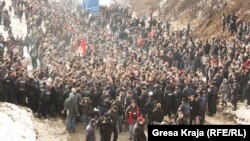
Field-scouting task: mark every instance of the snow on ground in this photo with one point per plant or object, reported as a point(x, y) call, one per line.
point(16, 123)
point(19, 29)
point(51, 130)
point(105, 2)
point(241, 115)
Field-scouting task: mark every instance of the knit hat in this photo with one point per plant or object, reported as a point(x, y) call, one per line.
point(140, 119)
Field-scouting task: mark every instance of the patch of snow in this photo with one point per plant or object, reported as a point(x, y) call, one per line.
point(105, 2)
point(16, 124)
point(242, 115)
point(162, 3)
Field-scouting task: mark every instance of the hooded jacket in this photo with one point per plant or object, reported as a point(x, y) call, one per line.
point(71, 106)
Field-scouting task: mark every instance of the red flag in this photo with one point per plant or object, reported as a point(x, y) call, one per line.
point(84, 46)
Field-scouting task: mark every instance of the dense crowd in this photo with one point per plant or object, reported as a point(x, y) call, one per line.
point(119, 69)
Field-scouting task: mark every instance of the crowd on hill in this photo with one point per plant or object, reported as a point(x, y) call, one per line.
point(118, 68)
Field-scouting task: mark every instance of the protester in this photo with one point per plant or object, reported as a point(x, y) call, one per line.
point(71, 107)
point(157, 115)
point(139, 132)
point(105, 127)
point(167, 121)
point(110, 54)
point(90, 131)
point(181, 120)
point(114, 117)
point(132, 113)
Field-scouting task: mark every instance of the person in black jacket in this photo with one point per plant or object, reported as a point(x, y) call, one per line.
point(43, 109)
point(235, 96)
point(120, 111)
point(22, 89)
point(157, 115)
point(247, 93)
point(105, 125)
point(33, 94)
point(193, 109)
point(139, 134)
point(105, 103)
point(181, 120)
point(114, 117)
point(9, 88)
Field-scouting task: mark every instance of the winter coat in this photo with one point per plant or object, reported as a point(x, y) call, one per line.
point(185, 108)
point(186, 58)
point(157, 115)
point(193, 108)
point(132, 114)
point(90, 134)
point(139, 134)
point(224, 88)
point(105, 128)
point(181, 121)
point(71, 106)
point(113, 117)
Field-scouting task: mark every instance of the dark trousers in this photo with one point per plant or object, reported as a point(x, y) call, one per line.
point(22, 97)
point(102, 111)
point(115, 132)
point(202, 116)
point(106, 137)
point(33, 101)
point(234, 103)
point(192, 118)
point(10, 96)
point(34, 62)
point(43, 109)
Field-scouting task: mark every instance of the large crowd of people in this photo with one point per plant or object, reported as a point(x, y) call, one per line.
point(119, 69)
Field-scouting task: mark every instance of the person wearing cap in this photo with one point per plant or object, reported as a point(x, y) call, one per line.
point(131, 114)
point(224, 91)
point(105, 125)
point(139, 133)
point(90, 131)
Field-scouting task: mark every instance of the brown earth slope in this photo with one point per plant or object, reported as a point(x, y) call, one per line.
point(204, 16)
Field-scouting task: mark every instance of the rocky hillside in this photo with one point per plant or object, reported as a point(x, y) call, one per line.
point(204, 15)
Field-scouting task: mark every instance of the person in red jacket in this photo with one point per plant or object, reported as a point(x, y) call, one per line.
point(132, 113)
